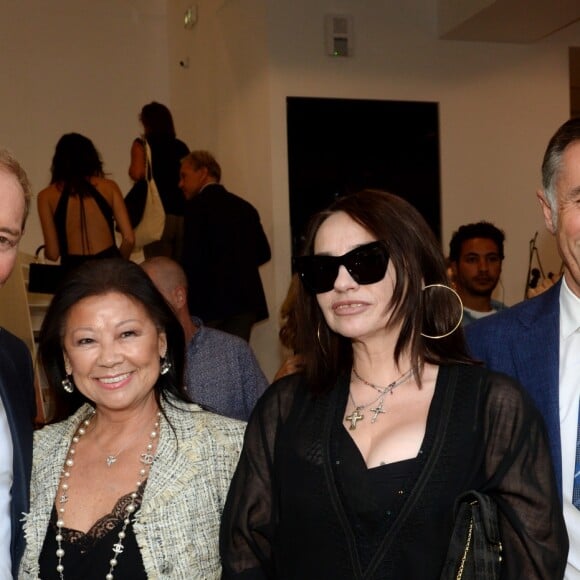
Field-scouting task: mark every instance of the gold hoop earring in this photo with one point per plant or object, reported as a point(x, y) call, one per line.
point(439, 336)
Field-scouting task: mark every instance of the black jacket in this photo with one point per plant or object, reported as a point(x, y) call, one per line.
point(298, 508)
point(223, 246)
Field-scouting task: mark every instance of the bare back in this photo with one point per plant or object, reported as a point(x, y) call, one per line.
point(85, 226)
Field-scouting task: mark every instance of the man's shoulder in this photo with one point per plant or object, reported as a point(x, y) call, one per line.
point(218, 194)
point(208, 337)
point(224, 339)
point(525, 313)
point(222, 346)
point(11, 345)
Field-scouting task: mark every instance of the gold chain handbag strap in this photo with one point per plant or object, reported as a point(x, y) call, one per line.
point(465, 552)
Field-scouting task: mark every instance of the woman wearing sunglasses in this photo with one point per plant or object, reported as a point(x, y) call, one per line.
point(351, 469)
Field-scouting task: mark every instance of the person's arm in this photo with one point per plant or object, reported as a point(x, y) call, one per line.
point(263, 251)
point(49, 233)
point(254, 382)
point(138, 164)
point(521, 481)
point(249, 520)
point(123, 222)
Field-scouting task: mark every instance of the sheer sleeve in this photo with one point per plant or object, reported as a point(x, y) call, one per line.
point(521, 480)
point(249, 518)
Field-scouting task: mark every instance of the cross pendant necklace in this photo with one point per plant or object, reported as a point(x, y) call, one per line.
point(378, 410)
point(355, 416)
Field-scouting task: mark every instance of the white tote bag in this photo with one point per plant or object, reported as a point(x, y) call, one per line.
point(150, 228)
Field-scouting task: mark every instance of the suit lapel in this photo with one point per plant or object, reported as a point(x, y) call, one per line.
point(536, 359)
point(14, 383)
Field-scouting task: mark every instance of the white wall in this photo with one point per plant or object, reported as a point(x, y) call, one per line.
point(83, 66)
point(499, 104)
point(223, 101)
point(90, 66)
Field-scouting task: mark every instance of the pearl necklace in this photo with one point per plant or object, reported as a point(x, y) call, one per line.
point(146, 458)
point(356, 414)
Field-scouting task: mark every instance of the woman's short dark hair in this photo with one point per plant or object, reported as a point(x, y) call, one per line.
point(96, 278)
point(75, 159)
point(157, 120)
point(418, 261)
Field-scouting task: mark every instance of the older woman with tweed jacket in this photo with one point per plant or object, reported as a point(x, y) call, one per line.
point(131, 484)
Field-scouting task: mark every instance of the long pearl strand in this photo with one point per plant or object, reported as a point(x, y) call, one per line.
point(146, 458)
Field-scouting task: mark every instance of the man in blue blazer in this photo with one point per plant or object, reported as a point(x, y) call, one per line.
point(17, 403)
point(538, 341)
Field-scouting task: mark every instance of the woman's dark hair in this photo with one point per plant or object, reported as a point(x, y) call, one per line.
point(287, 332)
point(96, 278)
point(418, 261)
point(75, 160)
point(157, 120)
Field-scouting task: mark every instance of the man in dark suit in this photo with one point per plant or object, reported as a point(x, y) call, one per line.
point(224, 244)
point(538, 341)
point(17, 405)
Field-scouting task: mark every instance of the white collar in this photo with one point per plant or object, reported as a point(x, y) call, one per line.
point(569, 311)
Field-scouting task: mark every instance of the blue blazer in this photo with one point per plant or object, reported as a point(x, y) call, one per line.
point(524, 341)
point(17, 394)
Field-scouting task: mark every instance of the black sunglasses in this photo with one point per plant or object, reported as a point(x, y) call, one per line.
point(366, 264)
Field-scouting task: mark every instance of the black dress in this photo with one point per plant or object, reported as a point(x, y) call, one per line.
point(71, 261)
point(303, 504)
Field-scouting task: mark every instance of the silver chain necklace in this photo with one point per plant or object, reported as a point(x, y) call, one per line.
point(145, 458)
point(357, 414)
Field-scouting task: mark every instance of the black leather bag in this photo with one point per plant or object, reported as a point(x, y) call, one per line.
point(44, 278)
point(475, 549)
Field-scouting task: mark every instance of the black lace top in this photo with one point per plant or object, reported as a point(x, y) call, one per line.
point(87, 555)
point(303, 505)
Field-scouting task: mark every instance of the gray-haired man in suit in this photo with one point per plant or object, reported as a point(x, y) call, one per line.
point(538, 341)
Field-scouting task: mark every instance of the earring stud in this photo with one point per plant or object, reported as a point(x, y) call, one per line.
point(165, 366)
point(67, 384)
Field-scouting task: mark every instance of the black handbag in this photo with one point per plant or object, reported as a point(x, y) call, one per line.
point(43, 278)
point(475, 549)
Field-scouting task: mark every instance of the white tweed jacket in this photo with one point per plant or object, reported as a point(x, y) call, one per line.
point(177, 526)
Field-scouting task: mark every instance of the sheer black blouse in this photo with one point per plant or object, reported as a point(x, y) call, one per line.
point(301, 505)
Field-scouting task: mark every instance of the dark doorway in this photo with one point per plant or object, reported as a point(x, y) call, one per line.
point(339, 146)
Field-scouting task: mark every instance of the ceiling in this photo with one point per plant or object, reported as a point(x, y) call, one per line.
point(515, 21)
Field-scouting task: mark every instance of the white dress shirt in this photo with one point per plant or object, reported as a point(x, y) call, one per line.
point(5, 489)
point(569, 401)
